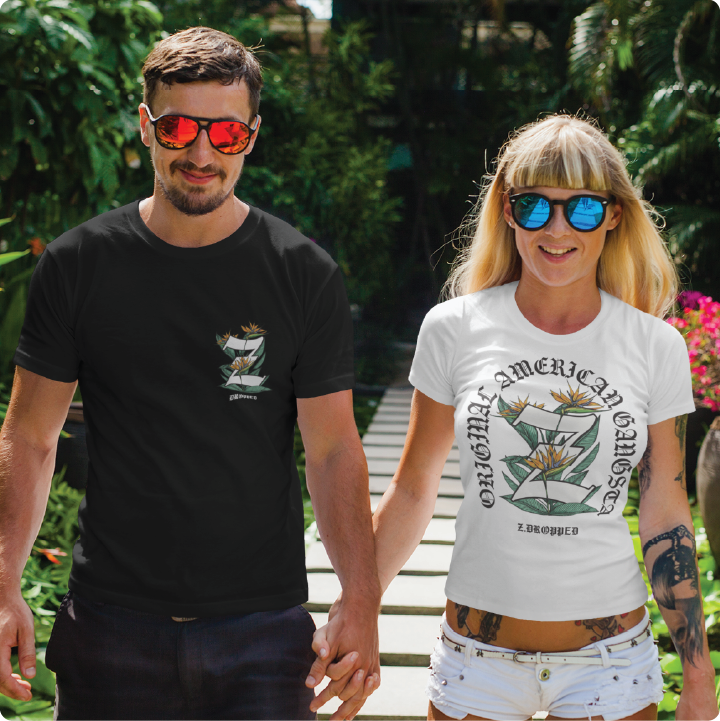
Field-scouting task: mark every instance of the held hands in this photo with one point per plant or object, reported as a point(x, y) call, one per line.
point(16, 629)
point(347, 651)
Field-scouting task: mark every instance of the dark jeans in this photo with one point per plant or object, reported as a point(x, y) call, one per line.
point(115, 663)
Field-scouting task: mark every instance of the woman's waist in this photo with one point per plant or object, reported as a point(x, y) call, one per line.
point(549, 636)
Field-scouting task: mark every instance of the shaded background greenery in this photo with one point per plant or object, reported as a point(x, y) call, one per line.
point(374, 150)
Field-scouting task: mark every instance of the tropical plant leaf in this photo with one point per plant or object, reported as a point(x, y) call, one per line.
point(510, 483)
point(577, 479)
point(531, 505)
point(588, 438)
point(571, 509)
point(529, 434)
point(591, 494)
point(10, 257)
point(503, 406)
point(589, 458)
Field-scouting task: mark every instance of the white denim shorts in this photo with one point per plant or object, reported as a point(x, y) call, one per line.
point(504, 690)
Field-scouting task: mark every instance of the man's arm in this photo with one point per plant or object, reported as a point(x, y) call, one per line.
point(36, 413)
point(667, 534)
point(337, 479)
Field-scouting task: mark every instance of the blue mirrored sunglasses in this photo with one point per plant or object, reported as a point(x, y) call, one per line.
point(533, 211)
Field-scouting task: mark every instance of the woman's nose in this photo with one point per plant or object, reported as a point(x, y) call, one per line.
point(558, 225)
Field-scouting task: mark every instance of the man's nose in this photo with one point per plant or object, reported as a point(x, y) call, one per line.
point(201, 152)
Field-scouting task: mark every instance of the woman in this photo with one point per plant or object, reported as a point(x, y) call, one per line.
point(552, 367)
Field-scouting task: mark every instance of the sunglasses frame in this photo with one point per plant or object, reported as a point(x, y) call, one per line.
point(202, 123)
point(604, 201)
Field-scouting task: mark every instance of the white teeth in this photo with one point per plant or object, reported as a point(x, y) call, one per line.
point(556, 252)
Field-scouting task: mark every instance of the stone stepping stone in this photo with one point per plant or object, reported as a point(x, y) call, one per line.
point(386, 416)
point(440, 530)
point(395, 402)
point(387, 467)
point(444, 507)
point(391, 439)
point(404, 640)
point(395, 452)
point(399, 393)
point(416, 595)
point(426, 560)
point(394, 427)
point(449, 487)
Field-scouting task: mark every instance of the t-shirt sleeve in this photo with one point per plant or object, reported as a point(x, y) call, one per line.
point(325, 361)
point(671, 384)
point(431, 371)
point(47, 343)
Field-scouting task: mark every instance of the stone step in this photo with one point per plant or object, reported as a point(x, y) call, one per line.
point(444, 507)
point(391, 427)
point(440, 530)
point(426, 560)
point(404, 640)
point(449, 487)
point(387, 467)
point(395, 452)
point(392, 413)
point(390, 439)
point(398, 394)
point(416, 595)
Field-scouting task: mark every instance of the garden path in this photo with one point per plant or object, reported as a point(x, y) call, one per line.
point(413, 604)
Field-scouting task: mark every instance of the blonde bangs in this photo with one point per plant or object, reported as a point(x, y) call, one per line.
point(558, 157)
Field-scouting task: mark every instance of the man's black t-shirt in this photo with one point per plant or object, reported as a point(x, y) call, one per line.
point(189, 361)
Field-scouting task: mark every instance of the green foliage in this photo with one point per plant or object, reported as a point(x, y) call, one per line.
point(43, 585)
point(666, 113)
point(70, 76)
point(321, 166)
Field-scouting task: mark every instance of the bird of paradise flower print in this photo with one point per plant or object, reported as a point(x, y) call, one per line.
point(548, 478)
point(247, 356)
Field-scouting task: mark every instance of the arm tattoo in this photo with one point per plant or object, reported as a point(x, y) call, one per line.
point(644, 468)
point(675, 584)
point(680, 428)
point(489, 624)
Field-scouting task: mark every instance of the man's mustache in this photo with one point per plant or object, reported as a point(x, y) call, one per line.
point(191, 167)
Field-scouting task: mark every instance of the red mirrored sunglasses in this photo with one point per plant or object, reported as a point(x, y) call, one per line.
point(180, 131)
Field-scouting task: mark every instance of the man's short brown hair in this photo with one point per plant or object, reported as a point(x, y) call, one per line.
point(202, 54)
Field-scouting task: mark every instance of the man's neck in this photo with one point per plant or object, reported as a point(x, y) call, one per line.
point(188, 231)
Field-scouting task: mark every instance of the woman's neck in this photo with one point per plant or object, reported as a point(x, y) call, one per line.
point(558, 310)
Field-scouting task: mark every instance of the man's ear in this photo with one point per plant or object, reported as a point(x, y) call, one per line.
point(251, 144)
point(144, 123)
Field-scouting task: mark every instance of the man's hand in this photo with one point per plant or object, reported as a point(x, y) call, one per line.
point(347, 651)
point(16, 629)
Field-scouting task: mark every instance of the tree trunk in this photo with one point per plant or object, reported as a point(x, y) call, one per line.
point(708, 487)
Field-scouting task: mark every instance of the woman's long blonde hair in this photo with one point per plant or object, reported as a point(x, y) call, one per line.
point(563, 151)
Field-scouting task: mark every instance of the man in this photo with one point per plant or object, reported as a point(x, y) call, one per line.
point(200, 329)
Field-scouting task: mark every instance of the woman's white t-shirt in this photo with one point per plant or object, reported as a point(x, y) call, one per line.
point(549, 428)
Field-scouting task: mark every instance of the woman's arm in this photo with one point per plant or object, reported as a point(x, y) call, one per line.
point(668, 544)
point(407, 506)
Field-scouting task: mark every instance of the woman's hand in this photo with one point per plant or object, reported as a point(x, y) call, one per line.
point(697, 700)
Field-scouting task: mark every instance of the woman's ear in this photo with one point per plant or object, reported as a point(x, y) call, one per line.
point(507, 211)
point(616, 215)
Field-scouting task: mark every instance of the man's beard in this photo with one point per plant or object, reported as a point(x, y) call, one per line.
point(195, 202)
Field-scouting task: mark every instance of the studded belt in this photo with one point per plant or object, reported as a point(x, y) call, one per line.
point(587, 656)
point(180, 619)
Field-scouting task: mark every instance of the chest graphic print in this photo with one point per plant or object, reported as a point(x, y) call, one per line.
point(550, 463)
point(247, 355)
point(562, 446)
